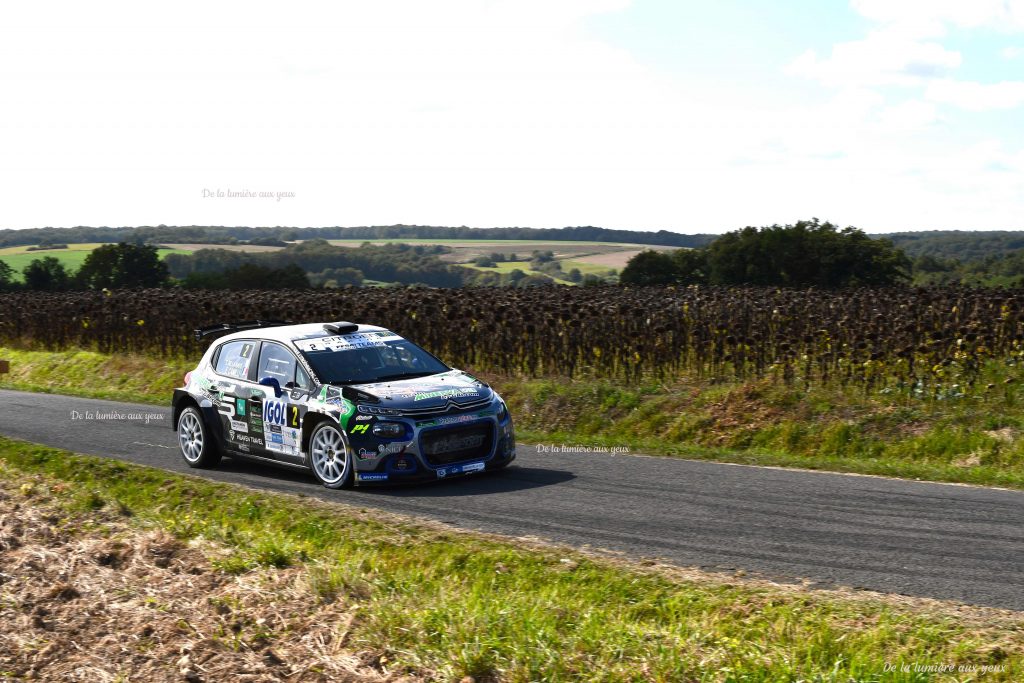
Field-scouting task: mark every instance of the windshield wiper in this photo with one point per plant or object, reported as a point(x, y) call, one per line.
point(401, 375)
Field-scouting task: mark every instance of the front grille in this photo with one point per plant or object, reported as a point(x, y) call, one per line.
point(445, 446)
point(449, 407)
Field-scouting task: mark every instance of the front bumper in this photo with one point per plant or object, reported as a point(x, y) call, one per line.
point(434, 449)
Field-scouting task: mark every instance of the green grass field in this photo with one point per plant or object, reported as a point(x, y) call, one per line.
point(587, 268)
point(443, 604)
point(506, 267)
point(72, 257)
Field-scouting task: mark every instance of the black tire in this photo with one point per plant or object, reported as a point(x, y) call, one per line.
point(195, 441)
point(326, 444)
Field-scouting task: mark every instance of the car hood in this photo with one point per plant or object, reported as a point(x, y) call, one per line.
point(434, 391)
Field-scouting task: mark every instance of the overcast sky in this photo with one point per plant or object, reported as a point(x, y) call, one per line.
point(651, 114)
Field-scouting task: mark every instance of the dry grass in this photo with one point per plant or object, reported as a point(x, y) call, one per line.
point(90, 598)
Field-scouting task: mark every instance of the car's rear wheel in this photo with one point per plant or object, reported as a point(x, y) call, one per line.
point(194, 440)
point(330, 457)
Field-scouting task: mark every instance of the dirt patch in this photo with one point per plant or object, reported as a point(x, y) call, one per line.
point(93, 599)
point(742, 411)
point(1005, 435)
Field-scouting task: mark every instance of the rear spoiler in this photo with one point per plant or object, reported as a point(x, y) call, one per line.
point(202, 333)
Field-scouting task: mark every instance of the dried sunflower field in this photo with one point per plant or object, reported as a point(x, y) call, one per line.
point(907, 339)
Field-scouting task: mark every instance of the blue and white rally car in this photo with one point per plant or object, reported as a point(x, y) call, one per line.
point(353, 403)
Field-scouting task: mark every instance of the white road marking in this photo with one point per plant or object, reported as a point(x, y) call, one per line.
point(154, 445)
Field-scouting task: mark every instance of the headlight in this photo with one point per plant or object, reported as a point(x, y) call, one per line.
point(502, 411)
point(389, 430)
point(374, 410)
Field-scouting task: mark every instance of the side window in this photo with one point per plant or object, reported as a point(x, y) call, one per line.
point(234, 359)
point(277, 362)
point(302, 379)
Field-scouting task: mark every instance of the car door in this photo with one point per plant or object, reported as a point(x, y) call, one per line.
point(235, 369)
point(281, 416)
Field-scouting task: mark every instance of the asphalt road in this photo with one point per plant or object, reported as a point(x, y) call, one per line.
point(941, 541)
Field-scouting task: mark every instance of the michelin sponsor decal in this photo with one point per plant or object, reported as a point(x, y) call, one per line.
point(371, 476)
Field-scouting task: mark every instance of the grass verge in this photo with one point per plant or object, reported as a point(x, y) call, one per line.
point(441, 604)
point(974, 437)
point(116, 377)
point(971, 438)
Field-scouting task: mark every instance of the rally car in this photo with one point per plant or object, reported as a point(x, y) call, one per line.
point(355, 404)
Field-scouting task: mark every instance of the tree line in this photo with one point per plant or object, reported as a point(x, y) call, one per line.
point(277, 236)
point(805, 254)
point(125, 266)
point(314, 263)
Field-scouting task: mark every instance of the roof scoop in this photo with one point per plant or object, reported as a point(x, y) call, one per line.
point(341, 327)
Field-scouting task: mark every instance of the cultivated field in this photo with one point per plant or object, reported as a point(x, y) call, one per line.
point(189, 248)
point(589, 257)
point(72, 258)
point(912, 341)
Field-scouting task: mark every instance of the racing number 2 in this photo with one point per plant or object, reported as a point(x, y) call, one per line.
point(294, 416)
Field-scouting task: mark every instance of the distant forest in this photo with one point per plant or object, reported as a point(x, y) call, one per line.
point(962, 245)
point(196, 234)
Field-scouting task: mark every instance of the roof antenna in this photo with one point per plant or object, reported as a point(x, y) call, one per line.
point(341, 327)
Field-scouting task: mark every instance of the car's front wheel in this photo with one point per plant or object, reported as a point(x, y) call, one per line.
point(196, 445)
point(330, 457)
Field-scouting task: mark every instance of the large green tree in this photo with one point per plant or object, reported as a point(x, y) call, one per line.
point(6, 277)
point(650, 268)
point(46, 274)
point(123, 265)
point(805, 254)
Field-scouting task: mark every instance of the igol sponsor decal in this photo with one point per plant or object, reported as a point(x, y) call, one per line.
point(280, 413)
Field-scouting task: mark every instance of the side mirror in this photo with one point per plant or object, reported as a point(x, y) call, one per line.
point(271, 382)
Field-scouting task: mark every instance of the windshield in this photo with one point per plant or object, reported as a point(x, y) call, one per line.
point(367, 357)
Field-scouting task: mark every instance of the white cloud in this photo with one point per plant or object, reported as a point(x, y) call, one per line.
point(976, 96)
point(883, 58)
point(1012, 52)
point(909, 116)
point(929, 14)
